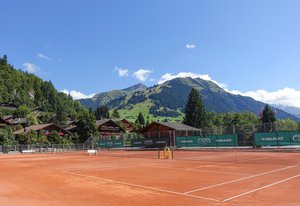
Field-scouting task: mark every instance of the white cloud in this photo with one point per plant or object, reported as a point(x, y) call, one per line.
point(30, 68)
point(122, 72)
point(43, 56)
point(285, 97)
point(77, 95)
point(169, 76)
point(190, 46)
point(142, 74)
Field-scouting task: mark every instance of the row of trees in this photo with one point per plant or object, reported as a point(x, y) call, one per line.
point(197, 116)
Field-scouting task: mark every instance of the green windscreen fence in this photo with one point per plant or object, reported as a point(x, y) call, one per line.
point(110, 143)
point(153, 142)
point(277, 139)
point(207, 141)
point(150, 142)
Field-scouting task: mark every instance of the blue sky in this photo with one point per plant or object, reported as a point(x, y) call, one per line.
point(89, 46)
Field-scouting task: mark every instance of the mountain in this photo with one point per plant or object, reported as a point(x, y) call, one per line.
point(168, 100)
point(292, 110)
point(111, 98)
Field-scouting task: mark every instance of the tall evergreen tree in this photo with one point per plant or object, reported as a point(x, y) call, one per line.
point(86, 126)
point(140, 119)
point(102, 112)
point(61, 117)
point(267, 115)
point(3, 60)
point(195, 114)
point(115, 114)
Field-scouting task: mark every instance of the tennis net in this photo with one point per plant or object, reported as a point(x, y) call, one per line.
point(237, 155)
point(131, 152)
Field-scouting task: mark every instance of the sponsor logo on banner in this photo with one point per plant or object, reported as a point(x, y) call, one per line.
point(109, 144)
point(186, 141)
point(296, 137)
point(138, 142)
point(223, 140)
point(203, 141)
point(272, 138)
point(148, 142)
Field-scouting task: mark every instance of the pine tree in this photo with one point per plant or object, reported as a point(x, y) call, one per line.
point(140, 119)
point(115, 114)
point(267, 115)
point(86, 126)
point(102, 112)
point(195, 114)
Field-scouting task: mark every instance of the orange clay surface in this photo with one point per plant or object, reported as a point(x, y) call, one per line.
point(192, 178)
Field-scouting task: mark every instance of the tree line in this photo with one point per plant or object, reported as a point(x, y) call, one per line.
point(197, 116)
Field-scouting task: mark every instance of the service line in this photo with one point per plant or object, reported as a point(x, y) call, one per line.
point(241, 179)
point(260, 188)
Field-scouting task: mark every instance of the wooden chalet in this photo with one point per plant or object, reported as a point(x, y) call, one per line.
point(8, 106)
point(72, 129)
point(3, 123)
point(108, 127)
point(8, 118)
point(38, 110)
point(168, 130)
point(19, 121)
point(128, 126)
point(47, 128)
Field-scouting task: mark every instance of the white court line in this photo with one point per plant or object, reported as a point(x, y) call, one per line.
point(143, 187)
point(218, 172)
point(237, 180)
point(226, 163)
point(260, 158)
point(206, 158)
point(110, 167)
point(260, 188)
point(203, 166)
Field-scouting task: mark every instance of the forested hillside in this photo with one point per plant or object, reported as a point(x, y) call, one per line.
point(21, 88)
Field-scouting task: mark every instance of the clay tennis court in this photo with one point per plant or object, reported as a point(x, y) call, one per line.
point(191, 178)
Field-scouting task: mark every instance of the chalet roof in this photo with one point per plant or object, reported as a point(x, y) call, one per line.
point(37, 128)
point(71, 127)
point(125, 120)
point(70, 122)
point(103, 121)
point(174, 126)
point(37, 109)
point(3, 122)
point(18, 121)
point(8, 106)
point(6, 117)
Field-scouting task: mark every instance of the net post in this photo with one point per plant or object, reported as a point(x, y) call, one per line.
point(235, 149)
point(158, 154)
point(235, 143)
